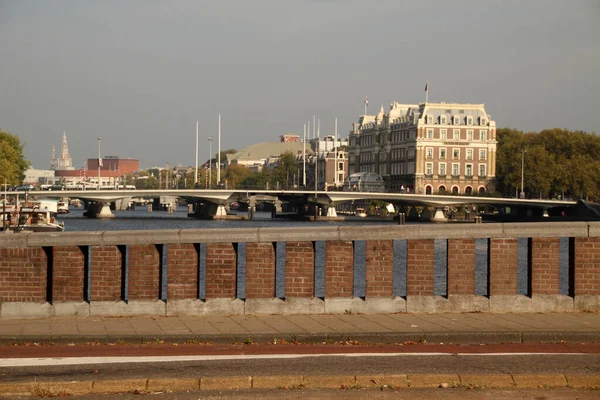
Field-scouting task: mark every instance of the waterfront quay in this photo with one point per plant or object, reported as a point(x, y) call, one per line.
point(518, 267)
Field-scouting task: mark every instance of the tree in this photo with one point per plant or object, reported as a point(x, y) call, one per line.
point(12, 160)
point(284, 171)
point(235, 174)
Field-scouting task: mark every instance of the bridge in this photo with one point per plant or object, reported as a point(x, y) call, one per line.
point(214, 200)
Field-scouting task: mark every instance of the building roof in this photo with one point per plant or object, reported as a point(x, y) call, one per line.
point(262, 151)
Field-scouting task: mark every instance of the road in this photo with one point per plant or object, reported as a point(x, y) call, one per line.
point(54, 363)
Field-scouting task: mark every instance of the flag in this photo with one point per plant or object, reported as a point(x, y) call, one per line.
point(426, 84)
point(366, 101)
point(100, 163)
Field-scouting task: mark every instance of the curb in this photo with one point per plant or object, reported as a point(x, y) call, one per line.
point(497, 337)
point(287, 382)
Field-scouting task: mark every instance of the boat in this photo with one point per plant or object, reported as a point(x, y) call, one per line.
point(360, 212)
point(62, 207)
point(29, 219)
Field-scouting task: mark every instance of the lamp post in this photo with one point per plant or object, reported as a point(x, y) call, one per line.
point(99, 161)
point(210, 140)
point(522, 193)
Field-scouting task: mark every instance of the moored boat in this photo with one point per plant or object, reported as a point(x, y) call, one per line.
point(29, 219)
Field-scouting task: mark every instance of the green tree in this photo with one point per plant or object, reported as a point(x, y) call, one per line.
point(235, 174)
point(284, 171)
point(12, 160)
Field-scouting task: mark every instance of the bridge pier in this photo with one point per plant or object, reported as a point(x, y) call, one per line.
point(331, 211)
point(436, 215)
point(210, 211)
point(98, 210)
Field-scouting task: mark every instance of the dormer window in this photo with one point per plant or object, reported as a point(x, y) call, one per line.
point(443, 119)
point(482, 121)
point(469, 120)
point(429, 119)
point(456, 120)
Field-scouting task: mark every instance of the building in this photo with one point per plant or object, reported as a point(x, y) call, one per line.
point(112, 165)
point(64, 162)
point(255, 157)
point(38, 177)
point(427, 148)
point(289, 138)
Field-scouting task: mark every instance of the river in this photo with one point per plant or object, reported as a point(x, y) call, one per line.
point(141, 219)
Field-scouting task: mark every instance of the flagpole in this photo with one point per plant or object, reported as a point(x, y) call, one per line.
point(304, 159)
point(335, 168)
point(196, 175)
point(426, 91)
point(219, 155)
point(366, 104)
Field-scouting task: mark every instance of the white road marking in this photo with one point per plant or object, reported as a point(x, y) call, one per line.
point(37, 362)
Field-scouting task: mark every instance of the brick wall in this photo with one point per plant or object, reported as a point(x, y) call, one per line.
point(587, 266)
point(461, 267)
point(144, 262)
point(503, 266)
point(260, 270)
point(339, 269)
point(182, 273)
point(545, 266)
point(220, 271)
point(299, 269)
point(379, 268)
point(23, 275)
point(67, 276)
point(106, 273)
point(419, 269)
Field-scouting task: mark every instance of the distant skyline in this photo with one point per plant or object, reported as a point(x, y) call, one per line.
point(139, 73)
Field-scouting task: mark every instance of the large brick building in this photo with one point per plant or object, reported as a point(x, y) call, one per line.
point(427, 147)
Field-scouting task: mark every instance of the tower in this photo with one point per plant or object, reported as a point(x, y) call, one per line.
point(65, 161)
point(53, 164)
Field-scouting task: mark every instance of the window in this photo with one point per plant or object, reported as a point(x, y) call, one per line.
point(455, 154)
point(443, 120)
point(470, 135)
point(469, 170)
point(442, 134)
point(482, 154)
point(442, 153)
point(483, 135)
point(429, 133)
point(428, 168)
point(455, 169)
point(442, 169)
point(482, 121)
point(469, 120)
point(456, 120)
point(429, 153)
point(482, 170)
point(456, 134)
point(469, 155)
point(430, 119)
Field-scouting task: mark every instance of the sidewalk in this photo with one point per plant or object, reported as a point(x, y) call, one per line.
point(467, 328)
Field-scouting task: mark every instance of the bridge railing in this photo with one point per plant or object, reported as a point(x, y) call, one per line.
point(411, 268)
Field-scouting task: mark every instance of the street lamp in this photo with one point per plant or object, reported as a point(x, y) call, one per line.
point(210, 140)
point(99, 161)
point(522, 194)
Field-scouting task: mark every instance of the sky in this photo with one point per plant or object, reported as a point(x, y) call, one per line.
point(140, 73)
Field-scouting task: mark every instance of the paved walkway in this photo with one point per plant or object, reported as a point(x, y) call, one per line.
point(375, 328)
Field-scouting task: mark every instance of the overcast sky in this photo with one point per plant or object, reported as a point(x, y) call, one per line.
point(139, 73)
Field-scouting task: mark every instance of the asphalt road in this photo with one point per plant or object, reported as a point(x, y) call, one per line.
point(588, 364)
point(361, 394)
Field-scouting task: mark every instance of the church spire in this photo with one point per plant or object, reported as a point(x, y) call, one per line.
point(53, 159)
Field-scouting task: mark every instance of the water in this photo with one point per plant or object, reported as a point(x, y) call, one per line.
point(141, 219)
